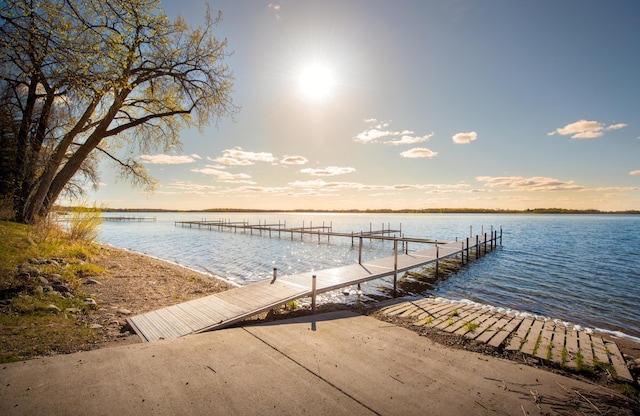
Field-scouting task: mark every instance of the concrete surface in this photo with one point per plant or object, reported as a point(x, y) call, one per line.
point(336, 363)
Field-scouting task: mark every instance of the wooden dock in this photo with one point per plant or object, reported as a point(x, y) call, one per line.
point(538, 338)
point(128, 219)
point(226, 308)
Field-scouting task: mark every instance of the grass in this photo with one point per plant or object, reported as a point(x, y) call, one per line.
point(428, 320)
point(454, 313)
point(471, 326)
point(32, 322)
point(535, 348)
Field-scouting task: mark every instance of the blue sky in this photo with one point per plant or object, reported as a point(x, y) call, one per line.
point(418, 104)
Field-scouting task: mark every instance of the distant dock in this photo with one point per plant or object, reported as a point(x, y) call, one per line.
point(226, 308)
point(129, 219)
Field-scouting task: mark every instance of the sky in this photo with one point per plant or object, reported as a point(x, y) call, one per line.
point(369, 104)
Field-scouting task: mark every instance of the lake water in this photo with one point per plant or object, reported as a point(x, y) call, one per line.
point(582, 269)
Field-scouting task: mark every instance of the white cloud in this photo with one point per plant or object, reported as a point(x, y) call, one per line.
point(371, 136)
point(585, 129)
point(465, 138)
point(261, 189)
point(536, 183)
point(418, 152)
point(294, 160)
point(274, 6)
point(224, 176)
point(380, 130)
point(320, 184)
point(239, 157)
point(634, 172)
point(167, 159)
point(328, 171)
point(410, 139)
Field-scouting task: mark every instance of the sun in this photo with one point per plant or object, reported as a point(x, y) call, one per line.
point(316, 82)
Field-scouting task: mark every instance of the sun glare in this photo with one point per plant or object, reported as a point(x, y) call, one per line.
point(316, 82)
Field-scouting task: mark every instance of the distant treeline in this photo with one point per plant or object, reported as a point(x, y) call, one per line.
point(381, 211)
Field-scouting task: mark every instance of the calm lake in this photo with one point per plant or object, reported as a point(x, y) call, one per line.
point(581, 269)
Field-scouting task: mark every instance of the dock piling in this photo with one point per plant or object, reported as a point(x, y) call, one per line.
point(313, 294)
point(395, 267)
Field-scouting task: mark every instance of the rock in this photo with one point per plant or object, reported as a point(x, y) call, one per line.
point(28, 269)
point(92, 282)
point(55, 278)
point(38, 290)
point(53, 307)
point(90, 302)
point(60, 287)
point(95, 326)
point(72, 310)
point(53, 263)
point(43, 281)
point(23, 276)
point(123, 312)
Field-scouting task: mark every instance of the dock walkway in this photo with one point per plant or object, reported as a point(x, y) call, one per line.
point(547, 340)
point(226, 308)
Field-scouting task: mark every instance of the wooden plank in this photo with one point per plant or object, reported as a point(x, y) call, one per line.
point(622, 371)
point(572, 348)
point(407, 306)
point(394, 309)
point(467, 318)
point(599, 350)
point(543, 350)
point(532, 337)
point(521, 335)
point(412, 312)
point(441, 315)
point(454, 316)
point(505, 331)
point(433, 312)
point(493, 326)
point(425, 309)
point(586, 349)
point(484, 325)
point(559, 335)
point(217, 308)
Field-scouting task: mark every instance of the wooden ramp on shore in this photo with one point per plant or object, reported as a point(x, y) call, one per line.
point(547, 340)
point(226, 308)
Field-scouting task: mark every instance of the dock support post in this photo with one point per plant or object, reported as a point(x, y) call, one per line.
point(501, 236)
point(467, 249)
point(275, 274)
point(462, 254)
point(437, 258)
point(492, 241)
point(313, 294)
point(360, 252)
point(395, 266)
point(485, 243)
